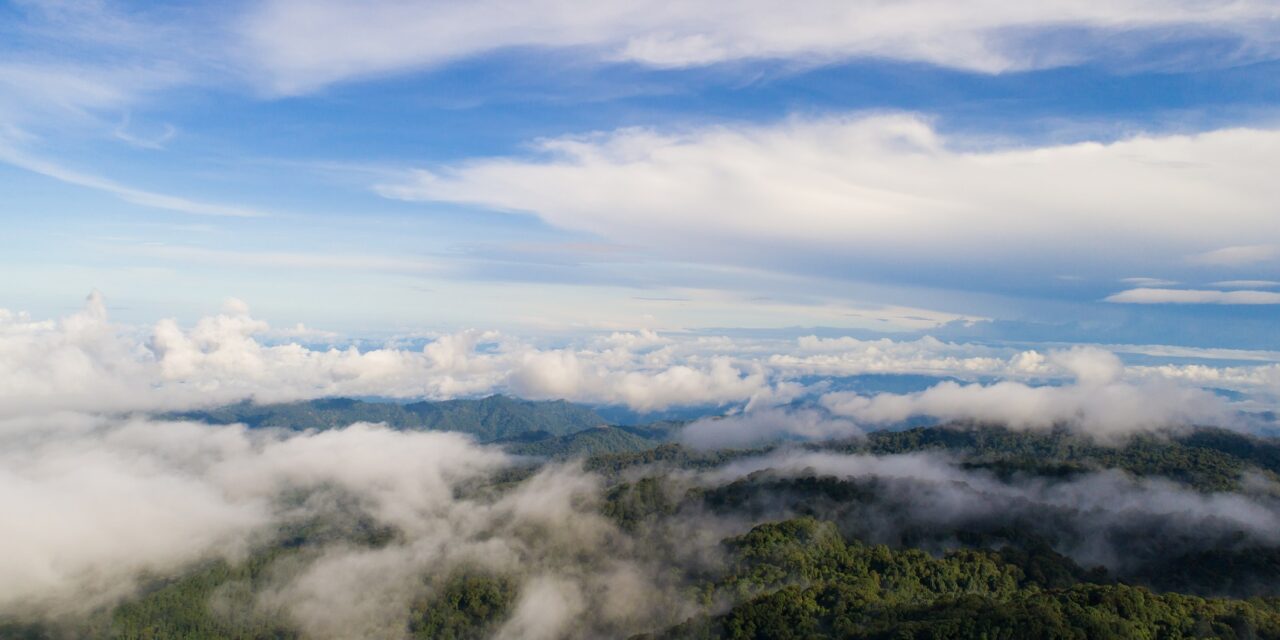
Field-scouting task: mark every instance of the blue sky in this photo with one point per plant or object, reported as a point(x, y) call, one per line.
point(990, 172)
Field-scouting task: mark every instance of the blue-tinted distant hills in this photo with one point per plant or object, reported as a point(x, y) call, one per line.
point(487, 419)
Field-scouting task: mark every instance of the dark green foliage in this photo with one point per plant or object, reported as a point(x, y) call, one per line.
point(629, 504)
point(469, 607)
point(809, 583)
point(1154, 552)
point(15, 630)
point(216, 601)
point(1205, 458)
point(1247, 571)
point(1208, 459)
point(499, 417)
point(670, 455)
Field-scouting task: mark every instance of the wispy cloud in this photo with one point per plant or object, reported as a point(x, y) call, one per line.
point(1239, 255)
point(1247, 284)
point(12, 156)
point(154, 142)
point(281, 259)
point(296, 46)
point(1148, 282)
point(1193, 296)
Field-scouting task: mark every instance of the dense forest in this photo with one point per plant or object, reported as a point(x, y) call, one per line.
point(955, 531)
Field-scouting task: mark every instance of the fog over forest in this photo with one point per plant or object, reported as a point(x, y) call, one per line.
point(220, 489)
point(582, 320)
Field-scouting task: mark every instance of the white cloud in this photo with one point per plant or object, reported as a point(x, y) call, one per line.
point(1263, 378)
point(22, 160)
point(28, 89)
point(1148, 282)
point(546, 607)
point(154, 142)
point(1108, 518)
point(850, 356)
point(158, 496)
point(1098, 402)
point(1239, 255)
point(1171, 351)
point(107, 503)
point(881, 190)
point(1247, 284)
point(1193, 296)
point(297, 46)
point(83, 362)
point(283, 259)
point(755, 428)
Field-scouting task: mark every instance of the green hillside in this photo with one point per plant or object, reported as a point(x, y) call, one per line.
point(491, 418)
point(589, 442)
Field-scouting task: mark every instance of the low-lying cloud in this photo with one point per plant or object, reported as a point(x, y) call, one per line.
point(1098, 402)
point(1104, 518)
point(104, 500)
point(755, 428)
point(102, 503)
point(84, 362)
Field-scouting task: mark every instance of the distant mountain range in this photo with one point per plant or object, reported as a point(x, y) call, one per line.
point(488, 419)
point(525, 427)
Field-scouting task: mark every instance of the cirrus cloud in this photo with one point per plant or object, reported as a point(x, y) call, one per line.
point(296, 46)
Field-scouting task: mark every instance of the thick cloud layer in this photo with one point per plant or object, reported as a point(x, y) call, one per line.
point(83, 362)
point(103, 502)
point(1097, 402)
point(883, 191)
point(108, 500)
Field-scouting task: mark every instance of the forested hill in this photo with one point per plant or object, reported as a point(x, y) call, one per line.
point(1207, 458)
point(960, 531)
point(492, 418)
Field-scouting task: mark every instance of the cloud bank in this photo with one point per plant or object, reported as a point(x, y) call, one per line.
point(1194, 296)
point(878, 190)
point(297, 46)
point(158, 496)
point(1098, 402)
point(83, 362)
point(105, 503)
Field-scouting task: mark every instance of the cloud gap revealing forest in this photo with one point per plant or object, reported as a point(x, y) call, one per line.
point(508, 518)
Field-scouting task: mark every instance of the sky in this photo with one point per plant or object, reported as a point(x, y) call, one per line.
point(767, 220)
point(994, 171)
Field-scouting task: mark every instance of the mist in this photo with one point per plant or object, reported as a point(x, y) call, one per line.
point(1107, 517)
point(357, 528)
point(107, 502)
